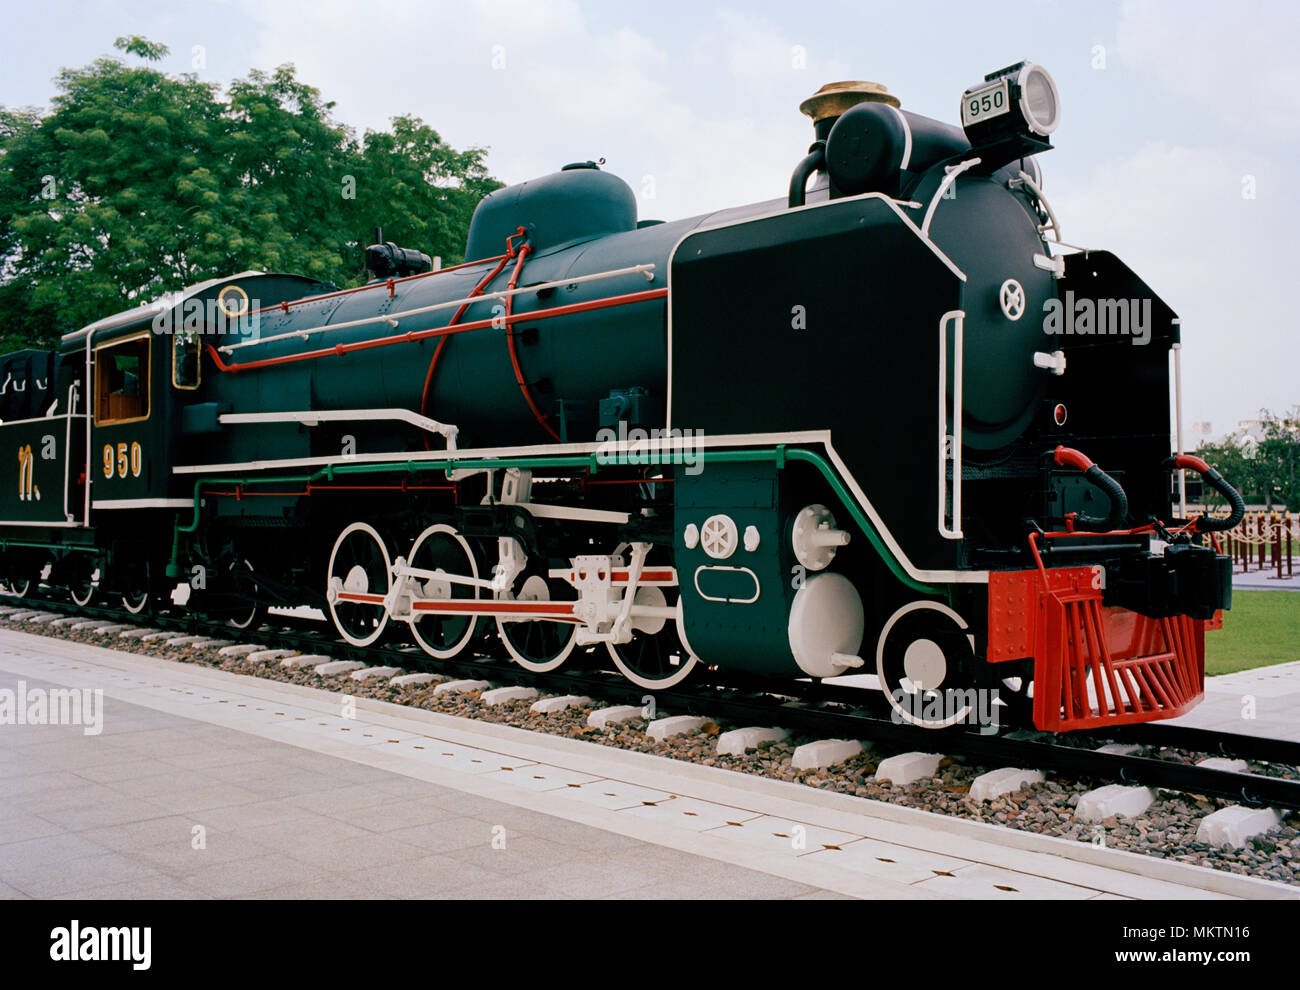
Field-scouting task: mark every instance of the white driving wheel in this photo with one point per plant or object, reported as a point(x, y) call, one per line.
point(539, 645)
point(658, 657)
point(360, 575)
point(442, 550)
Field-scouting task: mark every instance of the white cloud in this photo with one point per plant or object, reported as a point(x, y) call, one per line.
point(561, 90)
point(1235, 61)
point(1176, 216)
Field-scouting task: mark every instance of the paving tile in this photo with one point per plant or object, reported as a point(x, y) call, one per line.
point(302, 834)
point(50, 851)
point(247, 876)
point(684, 812)
point(179, 858)
point(541, 777)
point(141, 835)
point(116, 811)
point(982, 882)
point(447, 835)
point(614, 795)
point(594, 878)
point(426, 877)
point(356, 853)
point(323, 889)
point(27, 826)
point(71, 876)
point(193, 800)
point(780, 836)
point(279, 811)
point(395, 813)
point(520, 855)
point(886, 860)
point(160, 888)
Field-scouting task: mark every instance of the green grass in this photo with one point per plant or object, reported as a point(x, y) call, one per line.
point(1262, 629)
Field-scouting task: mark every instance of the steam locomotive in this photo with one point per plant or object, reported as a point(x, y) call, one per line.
point(820, 436)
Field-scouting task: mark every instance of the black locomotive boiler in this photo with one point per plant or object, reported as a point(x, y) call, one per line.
point(835, 433)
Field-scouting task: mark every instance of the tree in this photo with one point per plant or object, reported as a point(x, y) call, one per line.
point(1262, 464)
point(136, 182)
point(427, 190)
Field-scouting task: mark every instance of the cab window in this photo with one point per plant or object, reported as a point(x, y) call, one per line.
point(122, 381)
point(185, 358)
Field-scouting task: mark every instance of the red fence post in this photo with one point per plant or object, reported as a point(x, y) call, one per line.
point(1277, 545)
point(1287, 517)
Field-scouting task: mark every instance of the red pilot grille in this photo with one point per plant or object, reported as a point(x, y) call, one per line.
point(1093, 666)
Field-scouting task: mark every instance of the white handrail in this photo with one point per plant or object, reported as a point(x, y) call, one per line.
point(73, 394)
point(958, 318)
point(1027, 181)
point(949, 179)
point(647, 270)
point(311, 417)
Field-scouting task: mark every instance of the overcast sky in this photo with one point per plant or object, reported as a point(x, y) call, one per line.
point(1170, 111)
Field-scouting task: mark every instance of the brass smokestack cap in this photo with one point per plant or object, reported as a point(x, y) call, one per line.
point(834, 98)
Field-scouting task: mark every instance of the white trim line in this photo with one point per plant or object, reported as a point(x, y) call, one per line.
point(147, 310)
point(143, 503)
point(40, 419)
point(537, 450)
point(907, 142)
point(47, 525)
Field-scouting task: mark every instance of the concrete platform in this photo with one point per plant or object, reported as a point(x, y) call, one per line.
point(1264, 701)
point(209, 784)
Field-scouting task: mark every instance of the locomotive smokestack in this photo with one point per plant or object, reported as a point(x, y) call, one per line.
point(827, 104)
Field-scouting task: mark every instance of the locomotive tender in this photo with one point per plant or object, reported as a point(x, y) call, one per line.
point(821, 435)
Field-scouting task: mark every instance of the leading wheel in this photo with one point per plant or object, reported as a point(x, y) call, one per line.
point(443, 551)
point(924, 659)
point(358, 579)
point(657, 656)
point(539, 645)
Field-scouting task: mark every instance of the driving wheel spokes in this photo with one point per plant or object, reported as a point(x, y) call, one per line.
point(439, 554)
point(358, 580)
point(657, 656)
point(538, 644)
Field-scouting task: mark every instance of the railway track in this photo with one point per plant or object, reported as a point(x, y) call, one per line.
point(823, 711)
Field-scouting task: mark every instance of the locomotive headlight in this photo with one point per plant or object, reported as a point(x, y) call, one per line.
point(1039, 101)
point(1015, 109)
